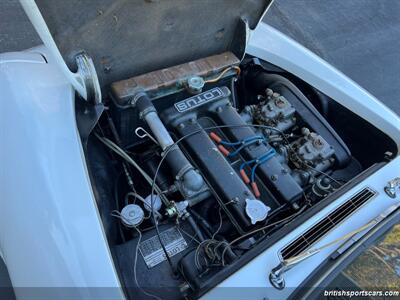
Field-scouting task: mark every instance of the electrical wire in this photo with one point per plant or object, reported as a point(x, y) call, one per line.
point(288, 219)
point(193, 237)
point(327, 175)
point(223, 73)
point(244, 145)
point(137, 196)
point(116, 198)
point(208, 241)
point(135, 267)
point(165, 154)
point(259, 161)
point(154, 187)
point(111, 145)
point(220, 223)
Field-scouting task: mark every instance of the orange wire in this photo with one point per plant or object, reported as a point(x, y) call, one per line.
point(223, 73)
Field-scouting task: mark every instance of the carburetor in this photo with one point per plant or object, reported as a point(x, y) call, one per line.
point(312, 149)
point(274, 110)
point(308, 155)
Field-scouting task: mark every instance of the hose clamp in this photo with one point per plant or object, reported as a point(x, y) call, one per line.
point(136, 98)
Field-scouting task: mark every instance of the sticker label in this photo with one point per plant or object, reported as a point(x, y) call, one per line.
point(195, 101)
point(151, 249)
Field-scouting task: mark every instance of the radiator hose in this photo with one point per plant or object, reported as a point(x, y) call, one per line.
point(190, 181)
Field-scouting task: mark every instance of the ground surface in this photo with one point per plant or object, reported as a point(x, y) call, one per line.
point(361, 38)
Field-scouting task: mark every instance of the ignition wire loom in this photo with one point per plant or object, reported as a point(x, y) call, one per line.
point(240, 146)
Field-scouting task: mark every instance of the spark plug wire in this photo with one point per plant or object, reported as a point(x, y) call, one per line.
point(242, 144)
point(264, 158)
point(256, 162)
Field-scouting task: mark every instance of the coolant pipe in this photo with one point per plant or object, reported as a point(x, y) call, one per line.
point(191, 181)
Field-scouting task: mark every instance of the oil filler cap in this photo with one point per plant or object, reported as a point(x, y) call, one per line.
point(132, 215)
point(256, 210)
point(195, 84)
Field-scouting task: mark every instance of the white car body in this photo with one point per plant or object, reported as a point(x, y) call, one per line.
point(51, 234)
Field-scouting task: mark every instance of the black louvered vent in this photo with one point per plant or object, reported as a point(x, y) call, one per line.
point(323, 227)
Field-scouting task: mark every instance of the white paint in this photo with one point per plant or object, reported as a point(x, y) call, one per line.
point(41, 28)
point(50, 229)
point(271, 45)
point(253, 278)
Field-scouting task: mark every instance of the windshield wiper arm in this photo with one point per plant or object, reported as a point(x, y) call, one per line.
point(276, 275)
point(354, 239)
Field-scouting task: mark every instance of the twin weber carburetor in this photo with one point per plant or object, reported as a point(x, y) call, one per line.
point(309, 154)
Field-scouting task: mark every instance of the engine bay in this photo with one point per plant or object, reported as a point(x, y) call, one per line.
point(194, 166)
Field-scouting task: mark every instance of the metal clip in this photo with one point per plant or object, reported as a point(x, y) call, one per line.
point(145, 134)
point(392, 186)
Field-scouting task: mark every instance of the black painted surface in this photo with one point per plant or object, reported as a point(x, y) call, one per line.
point(6, 291)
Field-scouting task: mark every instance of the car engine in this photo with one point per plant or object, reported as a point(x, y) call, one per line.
point(194, 166)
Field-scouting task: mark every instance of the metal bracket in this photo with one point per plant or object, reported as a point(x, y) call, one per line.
point(392, 187)
point(276, 275)
point(85, 81)
point(88, 74)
